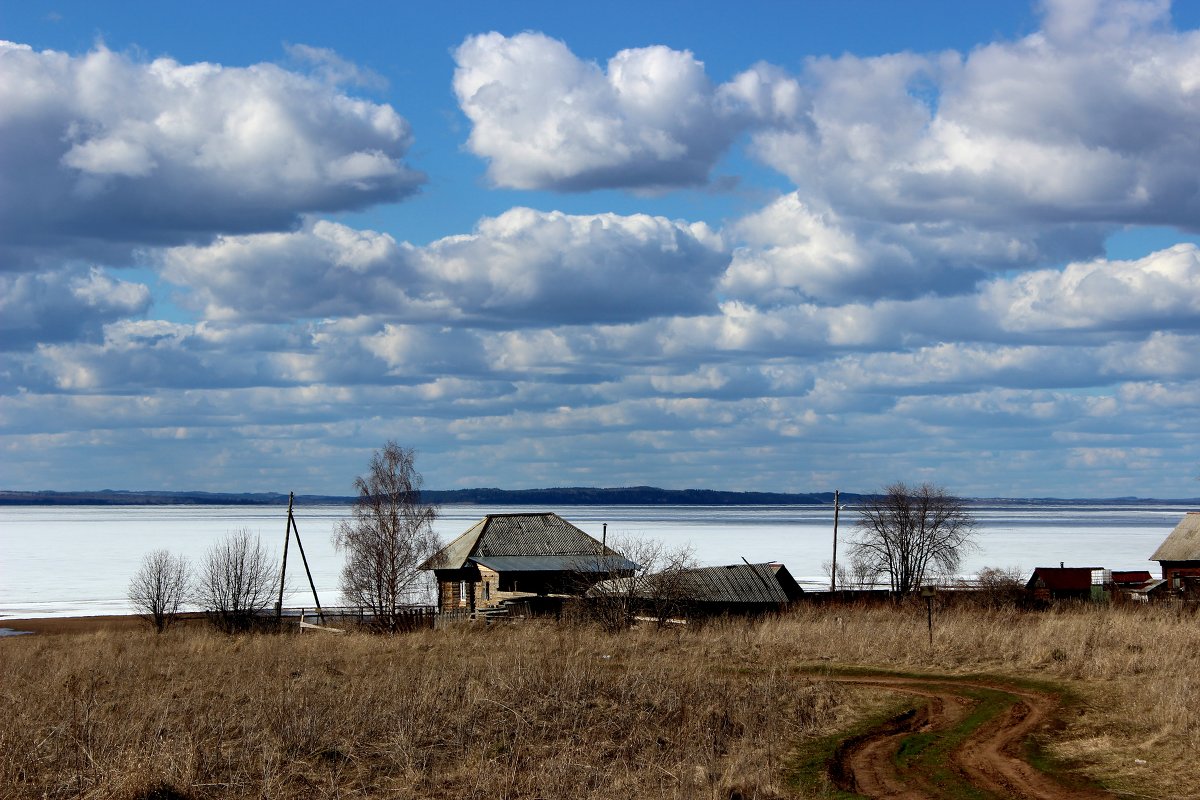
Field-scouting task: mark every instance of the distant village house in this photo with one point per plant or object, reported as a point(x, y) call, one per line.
point(506, 557)
point(1179, 554)
point(1066, 583)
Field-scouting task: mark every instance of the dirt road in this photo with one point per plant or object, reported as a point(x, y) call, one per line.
point(963, 738)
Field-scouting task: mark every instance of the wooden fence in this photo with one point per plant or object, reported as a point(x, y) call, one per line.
point(408, 618)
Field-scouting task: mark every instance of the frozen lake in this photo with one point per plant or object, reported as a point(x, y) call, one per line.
point(77, 560)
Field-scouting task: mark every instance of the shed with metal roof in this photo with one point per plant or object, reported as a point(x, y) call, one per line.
point(735, 588)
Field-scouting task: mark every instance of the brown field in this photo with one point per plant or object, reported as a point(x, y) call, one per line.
point(541, 710)
point(55, 626)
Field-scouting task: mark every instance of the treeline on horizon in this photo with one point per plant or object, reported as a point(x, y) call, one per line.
point(566, 496)
point(577, 496)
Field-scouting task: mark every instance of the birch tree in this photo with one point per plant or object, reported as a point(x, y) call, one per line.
point(387, 538)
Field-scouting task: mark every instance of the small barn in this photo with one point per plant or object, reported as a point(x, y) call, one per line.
point(1179, 554)
point(506, 557)
point(708, 591)
point(1129, 580)
point(1066, 583)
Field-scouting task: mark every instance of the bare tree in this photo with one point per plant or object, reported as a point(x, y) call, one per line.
point(910, 534)
point(388, 537)
point(159, 588)
point(238, 581)
point(642, 578)
point(999, 587)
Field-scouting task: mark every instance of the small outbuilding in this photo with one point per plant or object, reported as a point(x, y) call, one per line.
point(506, 557)
point(1131, 579)
point(1066, 583)
point(709, 591)
point(1179, 554)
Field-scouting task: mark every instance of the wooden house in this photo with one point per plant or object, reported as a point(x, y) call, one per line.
point(708, 591)
point(1179, 554)
point(505, 557)
point(1066, 583)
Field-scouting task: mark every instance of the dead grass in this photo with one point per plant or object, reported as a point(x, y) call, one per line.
point(1136, 671)
point(548, 711)
point(514, 711)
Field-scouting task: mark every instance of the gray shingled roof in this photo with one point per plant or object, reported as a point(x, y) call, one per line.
point(1183, 543)
point(578, 563)
point(542, 542)
point(729, 585)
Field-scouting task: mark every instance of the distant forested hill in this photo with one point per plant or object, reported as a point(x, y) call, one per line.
point(109, 497)
point(625, 496)
point(576, 496)
point(571, 496)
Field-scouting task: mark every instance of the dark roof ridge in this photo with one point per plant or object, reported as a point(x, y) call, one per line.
point(522, 514)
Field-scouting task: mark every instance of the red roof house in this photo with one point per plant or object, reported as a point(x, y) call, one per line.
point(1060, 583)
point(1131, 579)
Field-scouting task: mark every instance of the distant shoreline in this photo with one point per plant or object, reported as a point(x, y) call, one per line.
point(566, 496)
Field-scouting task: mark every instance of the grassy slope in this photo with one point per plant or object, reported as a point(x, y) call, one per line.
point(562, 711)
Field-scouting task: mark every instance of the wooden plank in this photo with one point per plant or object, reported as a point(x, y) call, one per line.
point(304, 624)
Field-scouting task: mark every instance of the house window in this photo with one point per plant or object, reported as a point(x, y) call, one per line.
point(462, 591)
point(487, 590)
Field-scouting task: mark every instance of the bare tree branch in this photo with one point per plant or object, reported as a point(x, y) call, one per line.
point(159, 588)
point(911, 534)
point(238, 580)
point(654, 589)
point(388, 537)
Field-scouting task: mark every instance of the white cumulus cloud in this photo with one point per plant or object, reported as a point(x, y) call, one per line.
point(64, 305)
point(1087, 120)
point(545, 118)
point(520, 268)
point(102, 149)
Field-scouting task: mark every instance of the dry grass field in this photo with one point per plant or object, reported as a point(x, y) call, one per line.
point(541, 710)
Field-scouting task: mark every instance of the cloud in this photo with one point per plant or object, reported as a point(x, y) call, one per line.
point(1159, 291)
point(914, 173)
point(927, 299)
point(333, 69)
point(524, 267)
point(555, 268)
point(102, 152)
point(546, 119)
point(64, 306)
point(792, 251)
point(1085, 121)
point(1048, 141)
point(325, 269)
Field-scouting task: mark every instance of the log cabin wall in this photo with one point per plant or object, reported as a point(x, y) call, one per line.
point(1184, 569)
point(487, 589)
point(457, 588)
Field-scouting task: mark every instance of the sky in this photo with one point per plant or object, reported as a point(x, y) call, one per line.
point(764, 246)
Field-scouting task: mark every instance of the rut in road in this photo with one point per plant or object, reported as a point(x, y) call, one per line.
point(965, 738)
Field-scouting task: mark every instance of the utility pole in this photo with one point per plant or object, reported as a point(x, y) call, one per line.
point(287, 538)
point(833, 569)
point(291, 528)
point(928, 592)
point(307, 571)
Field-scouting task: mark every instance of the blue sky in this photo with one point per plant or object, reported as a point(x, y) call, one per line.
point(779, 246)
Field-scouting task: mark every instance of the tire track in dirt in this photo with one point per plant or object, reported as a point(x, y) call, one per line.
point(965, 738)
